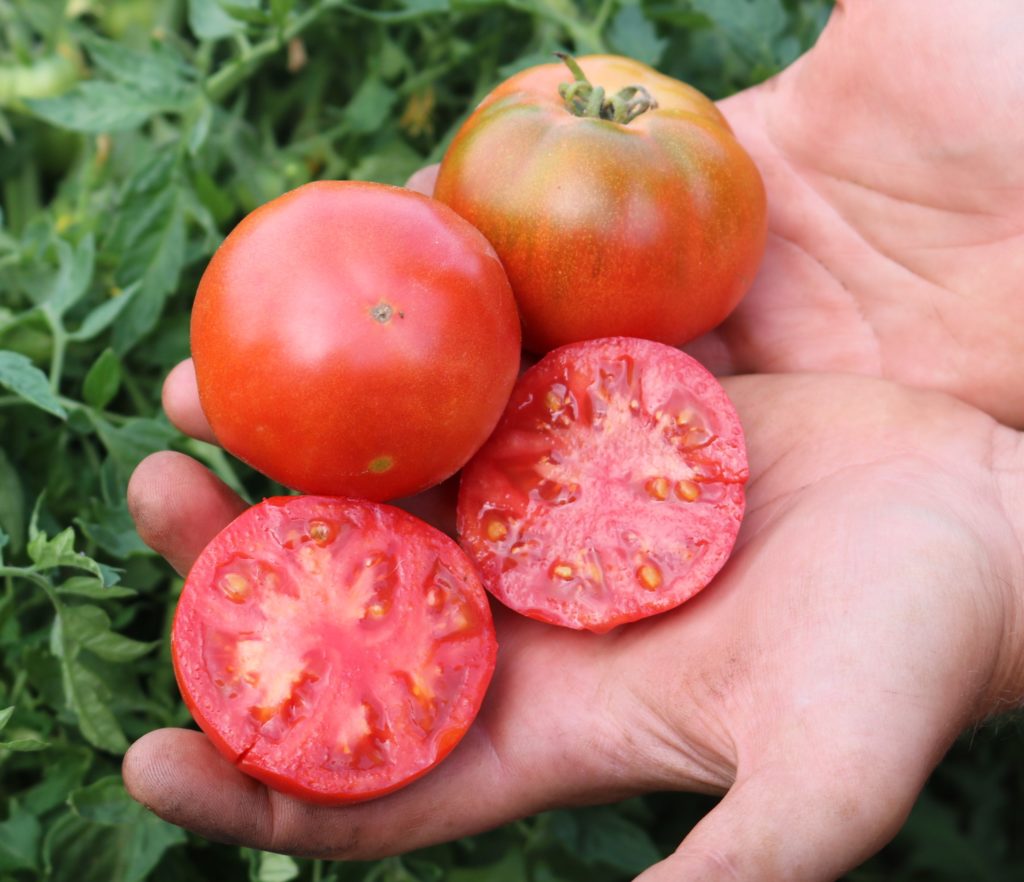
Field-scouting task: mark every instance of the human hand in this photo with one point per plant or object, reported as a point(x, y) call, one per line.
point(891, 156)
point(867, 615)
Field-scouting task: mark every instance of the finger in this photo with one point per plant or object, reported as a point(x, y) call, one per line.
point(181, 402)
point(178, 506)
point(423, 181)
point(180, 776)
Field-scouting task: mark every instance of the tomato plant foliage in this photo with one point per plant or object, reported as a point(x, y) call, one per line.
point(133, 136)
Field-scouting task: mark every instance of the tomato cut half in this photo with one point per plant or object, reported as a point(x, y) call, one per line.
point(612, 489)
point(335, 649)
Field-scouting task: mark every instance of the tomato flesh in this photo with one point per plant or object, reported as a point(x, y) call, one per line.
point(335, 649)
point(612, 489)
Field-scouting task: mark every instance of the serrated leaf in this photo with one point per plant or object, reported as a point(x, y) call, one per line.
point(103, 315)
point(103, 380)
point(745, 21)
point(24, 379)
point(89, 699)
point(74, 273)
point(48, 554)
point(97, 106)
point(111, 527)
point(156, 70)
point(104, 802)
point(77, 849)
point(632, 34)
point(150, 237)
point(133, 440)
point(93, 588)
point(89, 627)
point(65, 768)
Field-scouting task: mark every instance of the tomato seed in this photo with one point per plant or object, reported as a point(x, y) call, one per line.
point(496, 529)
point(320, 532)
point(236, 587)
point(649, 576)
point(658, 488)
point(562, 571)
point(688, 491)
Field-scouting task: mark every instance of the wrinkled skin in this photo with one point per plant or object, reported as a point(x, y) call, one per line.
point(873, 608)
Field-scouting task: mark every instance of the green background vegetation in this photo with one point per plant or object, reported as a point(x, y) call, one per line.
point(133, 135)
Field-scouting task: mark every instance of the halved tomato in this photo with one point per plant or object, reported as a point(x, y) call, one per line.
point(335, 649)
point(612, 488)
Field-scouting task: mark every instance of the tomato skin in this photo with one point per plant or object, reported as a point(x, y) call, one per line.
point(335, 649)
point(612, 488)
point(653, 228)
point(354, 339)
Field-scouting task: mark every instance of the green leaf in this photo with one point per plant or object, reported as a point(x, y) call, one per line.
point(156, 70)
point(104, 315)
point(133, 440)
point(5, 715)
point(24, 745)
point(65, 769)
point(266, 866)
point(89, 698)
point(634, 35)
point(93, 589)
point(19, 841)
point(97, 106)
point(102, 380)
point(25, 380)
point(149, 235)
point(74, 273)
point(371, 106)
point(89, 627)
point(12, 504)
point(80, 849)
point(209, 20)
point(750, 22)
point(605, 836)
point(104, 802)
point(48, 554)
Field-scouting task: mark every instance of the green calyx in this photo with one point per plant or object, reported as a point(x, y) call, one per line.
point(582, 98)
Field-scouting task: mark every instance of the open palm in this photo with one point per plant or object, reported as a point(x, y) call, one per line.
point(864, 619)
point(871, 609)
point(892, 157)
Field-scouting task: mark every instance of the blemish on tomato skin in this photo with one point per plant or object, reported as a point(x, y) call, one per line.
point(380, 464)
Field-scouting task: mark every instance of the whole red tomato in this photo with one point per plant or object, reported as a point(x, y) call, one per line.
point(612, 216)
point(336, 649)
point(354, 339)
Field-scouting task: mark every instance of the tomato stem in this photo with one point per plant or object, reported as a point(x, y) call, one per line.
point(582, 98)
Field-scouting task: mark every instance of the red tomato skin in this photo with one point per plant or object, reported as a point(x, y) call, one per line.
point(652, 229)
point(354, 339)
point(298, 763)
point(612, 488)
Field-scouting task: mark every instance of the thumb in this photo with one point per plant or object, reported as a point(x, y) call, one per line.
point(779, 824)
